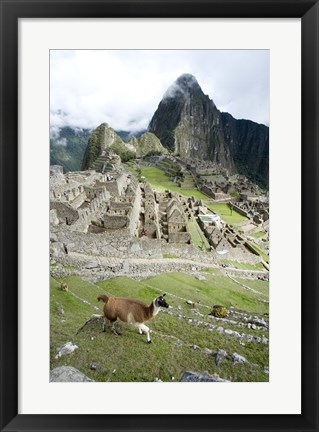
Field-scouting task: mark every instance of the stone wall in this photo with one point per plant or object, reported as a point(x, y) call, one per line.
point(65, 213)
point(122, 182)
point(117, 186)
point(239, 210)
point(79, 199)
point(117, 243)
point(135, 213)
point(179, 237)
point(115, 222)
point(207, 190)
point(188, 251)
point(151, 228)
point(112, 187)
point(118, 200)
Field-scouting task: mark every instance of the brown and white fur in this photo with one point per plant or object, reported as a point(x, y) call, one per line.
point(130, 311)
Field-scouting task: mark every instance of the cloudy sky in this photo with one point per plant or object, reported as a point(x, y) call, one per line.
point(124, 87)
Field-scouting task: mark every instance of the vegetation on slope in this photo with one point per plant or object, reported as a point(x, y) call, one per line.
point(160, 181)
point(68, 148)
point(227, 214)
point(93, 149)
point(174, 340)
point(123, 151)
point(148, 144)
point(198, 237)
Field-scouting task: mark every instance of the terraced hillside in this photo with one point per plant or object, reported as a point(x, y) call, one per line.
point(160, 181)
point(184, 338)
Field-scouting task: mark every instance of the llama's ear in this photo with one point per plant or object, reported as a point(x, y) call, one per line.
point(164, 295)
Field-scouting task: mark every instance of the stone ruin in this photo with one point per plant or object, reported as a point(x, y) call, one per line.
point(254, 208)
point(150, 226)
point(75, 197)
point(108, 161)
point(221, 236)
point(113, 208)
point(97, 203)
point(123, 209)
point(172, 218)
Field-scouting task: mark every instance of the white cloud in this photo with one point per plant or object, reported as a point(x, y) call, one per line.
point(124, 87)
point(61, 142)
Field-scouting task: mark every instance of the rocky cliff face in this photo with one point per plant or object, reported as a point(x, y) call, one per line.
point(188, 123)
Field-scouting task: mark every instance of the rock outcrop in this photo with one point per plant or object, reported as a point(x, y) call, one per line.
point(188, 123)
point(201, 377)
point(68, 374)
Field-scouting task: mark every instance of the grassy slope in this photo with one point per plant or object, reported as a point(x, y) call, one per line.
point(198, 237)
point(244, 266)
point(159, 181)
point(258, 234)
point(133, 359)
point(224, 211)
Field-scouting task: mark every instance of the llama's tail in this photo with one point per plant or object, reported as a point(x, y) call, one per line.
point(103, 298)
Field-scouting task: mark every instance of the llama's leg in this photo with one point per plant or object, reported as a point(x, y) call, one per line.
point(104, 324)
point(110, 324)
point(146, 330)
point(137, 325)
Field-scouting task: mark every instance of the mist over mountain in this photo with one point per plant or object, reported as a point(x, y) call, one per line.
point(186, 123)
point(189, 124)
point(127, 135)
point(67, 147)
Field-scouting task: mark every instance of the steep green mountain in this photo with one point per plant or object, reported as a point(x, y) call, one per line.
point(104, 138)
point(68, 148)
point(188, 123)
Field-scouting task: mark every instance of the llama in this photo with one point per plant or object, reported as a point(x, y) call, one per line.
point(131, 311)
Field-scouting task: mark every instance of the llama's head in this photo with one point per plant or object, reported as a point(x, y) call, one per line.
point(160, 301)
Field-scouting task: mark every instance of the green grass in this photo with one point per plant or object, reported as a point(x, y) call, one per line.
point(210, 270)
point(224, 211)
point(131, 169)
point(216, 289)
point(244, 266)
point(198, 237)
point(129, 355)
point(258, 285)
point(258, 234)
point(264, 256)
point(160, 181)
point(167, 255)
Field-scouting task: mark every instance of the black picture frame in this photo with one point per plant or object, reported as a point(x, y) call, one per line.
point(11, 11)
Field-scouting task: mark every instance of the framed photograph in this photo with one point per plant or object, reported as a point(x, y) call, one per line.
point(158, 215)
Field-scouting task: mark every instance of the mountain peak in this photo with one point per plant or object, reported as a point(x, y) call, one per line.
point(184, 84)
point(187, 80)
point(188, 123)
